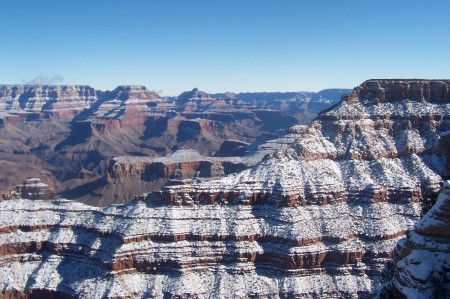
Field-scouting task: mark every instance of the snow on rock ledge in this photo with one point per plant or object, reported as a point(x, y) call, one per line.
point(423, 259)
point(209, 251)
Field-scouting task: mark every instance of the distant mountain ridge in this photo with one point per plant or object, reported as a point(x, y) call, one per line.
point(70, 100)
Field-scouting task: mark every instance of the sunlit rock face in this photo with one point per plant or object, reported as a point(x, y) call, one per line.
point(31, 102)
point(318, 219)
point(125, 106)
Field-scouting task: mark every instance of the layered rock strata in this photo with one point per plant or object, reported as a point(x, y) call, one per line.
point(31, 102)
point(32, 188)
point(182, 164)
point(125, 106)
point(135, 173)
point(422, 263)
point(318, 219)
point(364, 149)
point(142, 250)
point(68, 134)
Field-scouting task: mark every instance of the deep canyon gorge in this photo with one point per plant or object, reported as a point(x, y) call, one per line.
point(262, 195)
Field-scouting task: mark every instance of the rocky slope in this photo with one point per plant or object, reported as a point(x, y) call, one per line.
point(142, 250)
point(319, 219)
point(124, 106)
point(422, 264)
point(68, 135)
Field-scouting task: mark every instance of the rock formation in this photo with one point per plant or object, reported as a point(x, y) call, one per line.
point(128, 176)
point(31, 102)
point(362, 150)
point(182, 164)
point(32, 188)
point(124, 106)
point(422, 264)
point(68, 135)
point(318, 219)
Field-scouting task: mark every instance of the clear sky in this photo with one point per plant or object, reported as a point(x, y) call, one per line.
point(218, 46)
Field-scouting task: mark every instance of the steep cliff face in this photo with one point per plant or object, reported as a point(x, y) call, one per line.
point(142, 250)
point(182, 164)
point(422, 263)
point(129, 176)
point(31, 102)
point(318, 219)
point(127, 105)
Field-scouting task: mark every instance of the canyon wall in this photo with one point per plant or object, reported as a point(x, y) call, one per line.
point(421, 261)
point(68, 135)
point(318, 219)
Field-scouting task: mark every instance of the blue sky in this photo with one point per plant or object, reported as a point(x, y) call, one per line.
point(217, 46)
